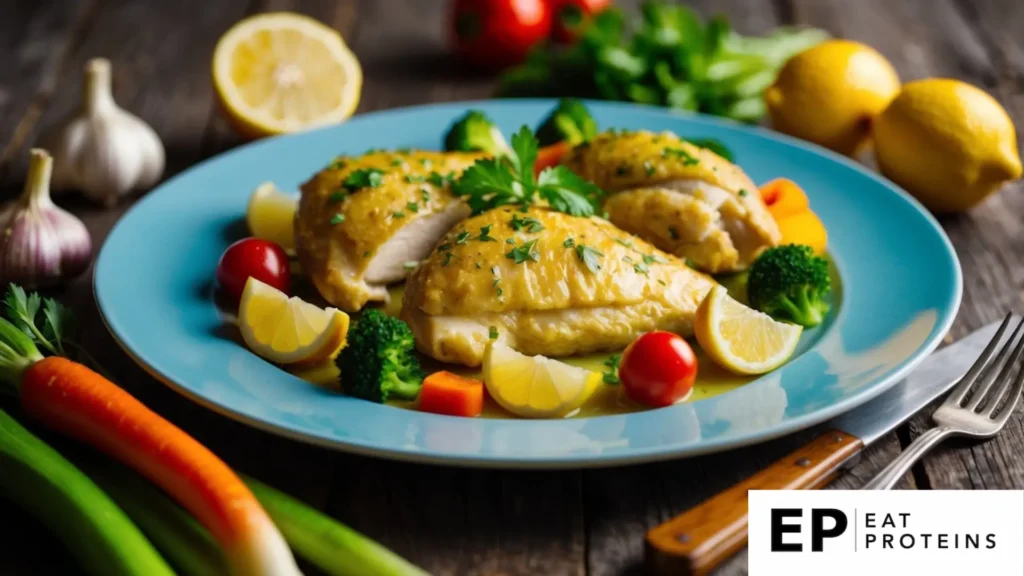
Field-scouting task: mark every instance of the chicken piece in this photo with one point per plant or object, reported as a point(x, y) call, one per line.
point(684, 199)
point(362, 222)
point(568, 285)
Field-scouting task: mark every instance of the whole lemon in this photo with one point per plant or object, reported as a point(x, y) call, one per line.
point(947, 143)
point(829, 94)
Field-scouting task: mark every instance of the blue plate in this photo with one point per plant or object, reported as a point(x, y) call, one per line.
point(901, 289)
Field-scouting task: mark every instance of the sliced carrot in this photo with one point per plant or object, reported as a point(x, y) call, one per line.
point(76, 401)
point(451, 394)
point(551, 155)
point(804, 228)
point(784, 197)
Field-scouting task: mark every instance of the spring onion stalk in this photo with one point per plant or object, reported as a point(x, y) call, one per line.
point(333, 547)
point(97, 532)
point(186, 544)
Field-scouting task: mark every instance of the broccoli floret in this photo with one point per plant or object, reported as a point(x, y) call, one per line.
point(790, 283)
point(378, 363)
point(569, 121)
point(475, 132)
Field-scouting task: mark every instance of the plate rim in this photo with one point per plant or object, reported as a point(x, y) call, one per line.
point(580, 460)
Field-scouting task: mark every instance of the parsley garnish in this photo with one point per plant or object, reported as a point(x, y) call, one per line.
point(426, 163)
point(411, 265)
point(485, 234)
point(691, 263)
point(414, 178)
point(478, 266)
point(532, 225)
point(492, 332)
point(622, 170)
point(425, 194)
point(365, 178)
point(447, 259)
point(688, 159)
point(611, 373)
point(444, 247)
point(589, 256)
point(626, 243)
point(641, 268)
point(743, 193)
point(652, 259)
point(524, 252)
point(672, 233)
point(649, 168)
point(413, 207)
point(337, 219)
point(569, 242)
point(336, 164)
point(509, 179)
point(336, 197)
point(439, 180)
point(510, 241)
point(398, 214)
point(397, 162)
point(463, 237)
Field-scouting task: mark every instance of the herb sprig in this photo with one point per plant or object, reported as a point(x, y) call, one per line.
point(508, 179)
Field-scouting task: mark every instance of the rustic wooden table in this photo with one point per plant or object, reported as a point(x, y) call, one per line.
point(454, 521)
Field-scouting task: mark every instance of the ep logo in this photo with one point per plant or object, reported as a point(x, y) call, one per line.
point(787, 528)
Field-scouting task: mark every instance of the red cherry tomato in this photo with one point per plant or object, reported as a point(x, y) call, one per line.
point(570, 16)
point(260, 259)
point(496, 34)
point(658, 369)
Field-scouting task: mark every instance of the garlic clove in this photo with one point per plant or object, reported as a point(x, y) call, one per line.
point(102, 150)
point(41, 244)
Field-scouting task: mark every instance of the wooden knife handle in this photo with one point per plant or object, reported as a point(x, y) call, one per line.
point(696, 541)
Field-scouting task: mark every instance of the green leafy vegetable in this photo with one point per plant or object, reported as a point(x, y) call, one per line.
point(531, 225)
point(524, 252)
point(715, 146)
point(589, 256)
point(509, 180)
point(378, 363)
point(611, 369)
point(364, 178)
point(570, 121)
point(475, 132)
point(671, 58)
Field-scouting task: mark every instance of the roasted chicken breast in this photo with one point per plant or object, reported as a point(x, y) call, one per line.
point(545, 283)
point(363, 220)
point(684, 199)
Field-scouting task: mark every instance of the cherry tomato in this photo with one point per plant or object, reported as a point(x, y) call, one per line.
point(260, 259)
point(570, 16)
point(658, 369)
point(496, 34)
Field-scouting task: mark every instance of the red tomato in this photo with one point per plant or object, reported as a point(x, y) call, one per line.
point(260, 259)
point(569, 17)
point(658, 369)
point(496, 34)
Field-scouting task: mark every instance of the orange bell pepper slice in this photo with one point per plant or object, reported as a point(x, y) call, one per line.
point(447, 393)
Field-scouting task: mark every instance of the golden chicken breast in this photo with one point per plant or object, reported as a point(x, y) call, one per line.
point(684, 199)
point(545, 283)
point(364, 221)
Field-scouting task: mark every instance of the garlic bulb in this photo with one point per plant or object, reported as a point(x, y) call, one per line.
point(102, 150)
point(41, 244)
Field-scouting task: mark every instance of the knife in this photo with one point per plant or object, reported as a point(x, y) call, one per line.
point(695, 542)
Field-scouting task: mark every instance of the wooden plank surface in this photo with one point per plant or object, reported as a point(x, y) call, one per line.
point(455, 521)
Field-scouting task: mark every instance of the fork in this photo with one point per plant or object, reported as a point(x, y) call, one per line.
point(970, 409)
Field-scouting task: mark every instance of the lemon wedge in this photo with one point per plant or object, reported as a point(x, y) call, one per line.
point(288, 330)
point(271, 215)
point(282, 72)
point(535, 386)
point(742, 339)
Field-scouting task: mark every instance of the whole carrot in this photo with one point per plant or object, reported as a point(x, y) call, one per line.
point(70, 398)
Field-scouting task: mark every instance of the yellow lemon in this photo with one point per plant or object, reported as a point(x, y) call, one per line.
point(948, 143)
point(829, 94)
point(535, 386)
point(288, 330)
point(283, 72)
point(271, 215)
point(741, 339)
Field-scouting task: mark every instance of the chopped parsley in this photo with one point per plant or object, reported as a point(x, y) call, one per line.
point(414, 178)
point(510, 241)
point(444, 247)
point(365, 178)
point(411, 265)
point(492, 332)
point(589, 256)
point(478, 266)
point(569, 242)
point(336, 197)
point(447, 259)
point(649, 168)
point(622, 170)
point(463, 237)
point(366, 254)
point(337, 219)
point(425, 194)
point(397, 162)
point(531, 225)
point(641, 268)
point(398, 214)
point(426, 163)
point(688, 159)
point(336, 164)
point(743, 193)
point(524, 252)
point(652, 259)
point(439, 180)
point(485, 234)
point(626, 243)
point(691, 263)
point(413, 207)
point(662, 282)
point(611, 372)
point(672, 233)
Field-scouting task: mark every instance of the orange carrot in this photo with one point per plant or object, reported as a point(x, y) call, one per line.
point(70, 398)
point(784, 197)
point(551, 155)
point(451, 394)
point(804, 228)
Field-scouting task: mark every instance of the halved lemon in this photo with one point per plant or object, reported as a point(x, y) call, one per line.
point(271, 215)
point(282, 72)
point(288, 330)
point(742, 339)
point(535, 386)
